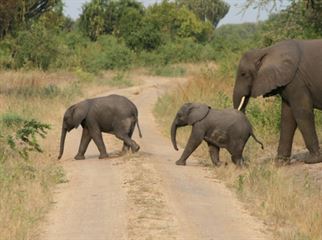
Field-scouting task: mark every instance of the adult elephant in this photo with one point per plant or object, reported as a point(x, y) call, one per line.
point(292, 69)
point(111, 114)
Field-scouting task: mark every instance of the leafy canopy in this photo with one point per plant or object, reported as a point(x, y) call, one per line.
point(19, 12)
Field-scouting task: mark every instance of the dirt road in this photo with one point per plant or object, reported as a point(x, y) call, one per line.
point(145, 195)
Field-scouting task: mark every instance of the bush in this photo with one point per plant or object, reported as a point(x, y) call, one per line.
point(107, 53)
point(36, 48)
point(70, 48)
point(183, 50)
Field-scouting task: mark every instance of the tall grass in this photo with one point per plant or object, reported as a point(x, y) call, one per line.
point(288, 198)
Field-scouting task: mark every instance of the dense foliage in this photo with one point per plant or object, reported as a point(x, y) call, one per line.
point(123, 33)
point(17, 14)
point(109, 34)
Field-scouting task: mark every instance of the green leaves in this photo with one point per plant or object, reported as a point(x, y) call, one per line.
point(92, 20)
point(103, 16)
point(207, 10)
point(16, 13)
point(300, 20)
point(25, 140)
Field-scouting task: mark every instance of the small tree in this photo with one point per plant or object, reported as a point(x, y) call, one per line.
point(92, 20)
point(25, 138)
point(207, 10)
point(175, 20)
point(103, 16)
point(19, 12)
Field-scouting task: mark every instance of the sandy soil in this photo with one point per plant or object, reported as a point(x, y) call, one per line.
point(144, 195)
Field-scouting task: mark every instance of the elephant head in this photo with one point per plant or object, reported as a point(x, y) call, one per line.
point(188, 114)
point(73, 116)
point(264, 72)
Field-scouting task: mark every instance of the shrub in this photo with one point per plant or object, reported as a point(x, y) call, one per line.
point(181, 50)
point(36, 48)
point(70, 48)
point(107, 53)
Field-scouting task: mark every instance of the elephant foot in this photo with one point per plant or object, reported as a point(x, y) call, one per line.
point(103, 156)
point(125, 150)
point(313, 159)
point(240, 164)
point(282, 160)
point(79, 157)
point(135, 148)
point(181, 163)
point(218, 163)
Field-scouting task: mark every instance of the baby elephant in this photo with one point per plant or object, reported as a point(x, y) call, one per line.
point(226, 128)
point(111, 114)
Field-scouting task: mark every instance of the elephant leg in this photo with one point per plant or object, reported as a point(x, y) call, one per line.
point(238, 159)
point(236, 152)
point(304, 116)
point(128, 141)
point(126, 147)
point(288, 127)
point(85, 140)
point(214, 155)
point(98, 139)
point(194, 141)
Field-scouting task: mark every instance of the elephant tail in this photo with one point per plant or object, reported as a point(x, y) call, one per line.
point(137, 124)
point(262, 145)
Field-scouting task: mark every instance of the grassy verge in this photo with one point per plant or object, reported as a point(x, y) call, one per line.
point(26, 184)
point(288, 199)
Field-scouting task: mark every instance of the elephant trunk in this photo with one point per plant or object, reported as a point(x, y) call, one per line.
point(174, 134)
point(62, 142)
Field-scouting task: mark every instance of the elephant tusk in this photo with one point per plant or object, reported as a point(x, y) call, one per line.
point(241, 103)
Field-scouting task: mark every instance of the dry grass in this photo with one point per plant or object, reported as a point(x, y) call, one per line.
point(289, 198)
point(26, 186)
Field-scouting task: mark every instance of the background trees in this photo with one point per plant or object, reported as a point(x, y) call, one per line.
point(36, 34)
point(207, 10)
point(14, 14)
point(129, 20)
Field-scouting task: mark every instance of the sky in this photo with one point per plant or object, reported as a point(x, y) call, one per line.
point(73, 9)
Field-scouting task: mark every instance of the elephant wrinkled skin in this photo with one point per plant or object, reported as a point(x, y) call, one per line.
point(111, 114)
point(292, 69)
point(226, 128)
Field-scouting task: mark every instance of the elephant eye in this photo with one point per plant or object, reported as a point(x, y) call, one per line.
point(243, 74)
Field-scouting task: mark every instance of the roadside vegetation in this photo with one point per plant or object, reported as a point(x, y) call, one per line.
point(287, 198)
point(48, 60)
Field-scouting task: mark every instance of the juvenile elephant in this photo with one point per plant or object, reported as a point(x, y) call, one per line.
point(111, 114)
point(292, 69)
point(226, 128)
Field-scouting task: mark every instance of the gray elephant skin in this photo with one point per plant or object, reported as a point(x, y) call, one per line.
point(292, 69)
point(227, 128)
point(110, 114)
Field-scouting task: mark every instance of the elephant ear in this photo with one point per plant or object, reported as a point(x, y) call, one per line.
point(79, 112)
point(197, 112)
point(276, 67)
